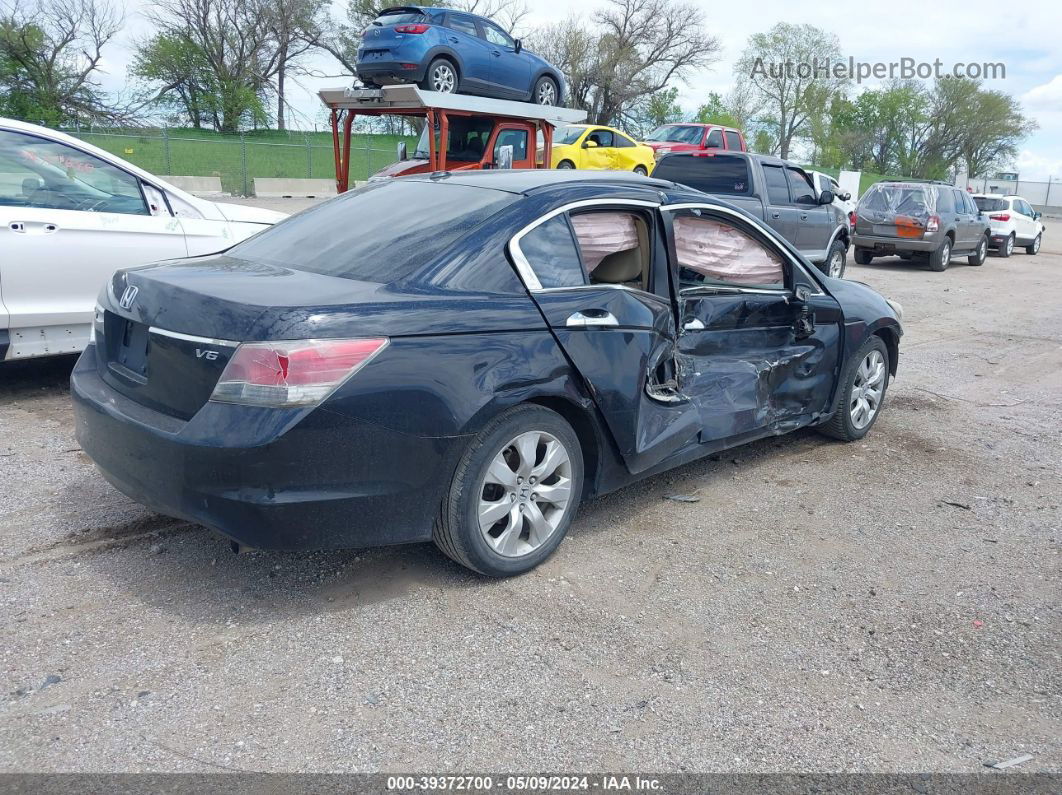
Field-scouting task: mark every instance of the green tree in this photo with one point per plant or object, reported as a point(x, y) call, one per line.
point(183, 83)
point(715, 111)
point(50, 54)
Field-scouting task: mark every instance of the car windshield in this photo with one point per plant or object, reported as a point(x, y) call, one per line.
point(568, 135)
point(468, 139)
point(677, 133)
point(398, 19)
point(378, 233)
point(914, 200)
point(988, 204)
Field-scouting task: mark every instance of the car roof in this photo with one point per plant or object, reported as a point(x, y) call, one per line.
point(529, 180)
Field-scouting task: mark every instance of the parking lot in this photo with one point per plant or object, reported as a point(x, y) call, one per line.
point(889, 605)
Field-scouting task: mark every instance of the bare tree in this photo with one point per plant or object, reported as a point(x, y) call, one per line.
point(52, 50)
point(634, 49)
point(293, 25)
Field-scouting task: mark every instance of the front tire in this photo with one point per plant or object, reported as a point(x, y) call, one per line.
point(1034, 247)
point(514, 493)
point(1007, 248)
point(981, 254)
point(836, 261)
point(545, 91)
point(864, 381)
point(863, 256)
point(442, 77)
point(566, 164)
point(941, 258)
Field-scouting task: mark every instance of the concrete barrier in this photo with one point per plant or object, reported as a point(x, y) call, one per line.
point(285, 188)
point(196, 185)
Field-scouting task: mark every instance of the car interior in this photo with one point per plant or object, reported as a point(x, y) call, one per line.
point(614, 247)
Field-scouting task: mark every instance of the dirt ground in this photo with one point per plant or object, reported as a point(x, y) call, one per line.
point(889, 605)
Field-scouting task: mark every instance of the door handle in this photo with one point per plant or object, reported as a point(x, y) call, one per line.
point(591, 317)
point(495, 53)
point(17, 226)
point(453, 40)
point(696, 324)
point(803, 216)
point(20, 226)
point(775, 214)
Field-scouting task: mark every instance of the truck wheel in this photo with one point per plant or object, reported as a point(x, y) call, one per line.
point(863, 257)
point(514, 493)
point(979, 256)
point(442, 77)
point(1034, 247)
point(836, 261)
point(1006, 248)
point(939, 259)
point(545, 92)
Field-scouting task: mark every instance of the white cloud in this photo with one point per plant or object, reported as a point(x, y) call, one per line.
point(1045, 97)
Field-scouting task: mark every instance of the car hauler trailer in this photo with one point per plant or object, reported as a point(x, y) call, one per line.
point(481, 126)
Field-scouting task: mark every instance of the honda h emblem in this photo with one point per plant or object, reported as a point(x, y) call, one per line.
point(126, 301)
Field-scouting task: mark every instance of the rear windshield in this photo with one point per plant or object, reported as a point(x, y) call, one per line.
point(914, 200)
point(398, 19)
point(724, 174)
point(379, 233)
point(677, 133)
point(987, 204)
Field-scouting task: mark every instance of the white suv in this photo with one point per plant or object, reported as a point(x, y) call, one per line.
point(70, 215)
point(1013, 221)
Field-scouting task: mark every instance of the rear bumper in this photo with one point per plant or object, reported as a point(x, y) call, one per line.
point(267, 478)
point(385, 72)
point(889, 245)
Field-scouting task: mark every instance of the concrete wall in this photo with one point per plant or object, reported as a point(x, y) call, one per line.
point(196, 185)
point(285, 188)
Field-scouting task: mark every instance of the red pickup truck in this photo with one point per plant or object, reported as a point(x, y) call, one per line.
point(689, 137)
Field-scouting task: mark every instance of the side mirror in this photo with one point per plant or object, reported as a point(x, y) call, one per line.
point(504, 157)
point(518, 45)
point(589, 144)
point(403, 154)
point(801, 294)
point(1037, 215)
point(826, 197)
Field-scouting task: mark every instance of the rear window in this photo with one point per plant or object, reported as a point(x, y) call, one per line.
point(379, 233)
point(987, 204)
point(915, 200)
point(723, 174)
point(398, 19)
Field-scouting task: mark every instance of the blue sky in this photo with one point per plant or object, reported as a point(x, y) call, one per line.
point(1025, 36)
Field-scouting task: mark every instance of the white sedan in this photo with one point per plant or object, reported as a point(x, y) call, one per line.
point(70, 215)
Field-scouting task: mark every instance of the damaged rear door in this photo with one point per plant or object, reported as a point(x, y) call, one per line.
point(759, 340)
point(598, 272)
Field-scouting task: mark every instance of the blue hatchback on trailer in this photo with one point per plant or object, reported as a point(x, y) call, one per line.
point(454, 52)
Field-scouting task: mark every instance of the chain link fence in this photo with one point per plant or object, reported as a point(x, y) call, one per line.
point(237, 159)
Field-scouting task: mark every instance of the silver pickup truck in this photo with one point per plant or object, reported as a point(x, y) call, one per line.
point(773, 190)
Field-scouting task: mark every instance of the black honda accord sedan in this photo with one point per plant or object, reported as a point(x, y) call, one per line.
point(464, 358)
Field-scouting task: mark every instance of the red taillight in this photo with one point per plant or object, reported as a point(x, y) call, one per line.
point(1000, 217)
point(292, 372)
point(411, 28)
point(933, 224)
point(852, 218)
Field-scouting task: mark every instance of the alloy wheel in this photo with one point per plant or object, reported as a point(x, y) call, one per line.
point(836, 264)
point(547, 94)
point(1010, 245)
point(1036, 245)
point(525, 493)
point(443, 78)
point(867, 389)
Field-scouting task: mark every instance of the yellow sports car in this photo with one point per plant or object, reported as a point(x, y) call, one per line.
point(593, 146)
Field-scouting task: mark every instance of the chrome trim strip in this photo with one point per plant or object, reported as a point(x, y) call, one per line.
point(711, 288)
point(523, 267)
point(770, 233)
point(191, 337)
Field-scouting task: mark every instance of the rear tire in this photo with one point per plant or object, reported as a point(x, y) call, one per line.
point(1034, 247)
point(514, 493)
point(941, 258)
point(545, 91)
point(981, 254)
point(1006, 248)
point(442, 77)
point(641, 171)
point(861, 369)
point(863, 256)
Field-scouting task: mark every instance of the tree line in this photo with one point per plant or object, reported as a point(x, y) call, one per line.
point(227, 65)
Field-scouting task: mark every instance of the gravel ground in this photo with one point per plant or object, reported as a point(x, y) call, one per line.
point(889, 605)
